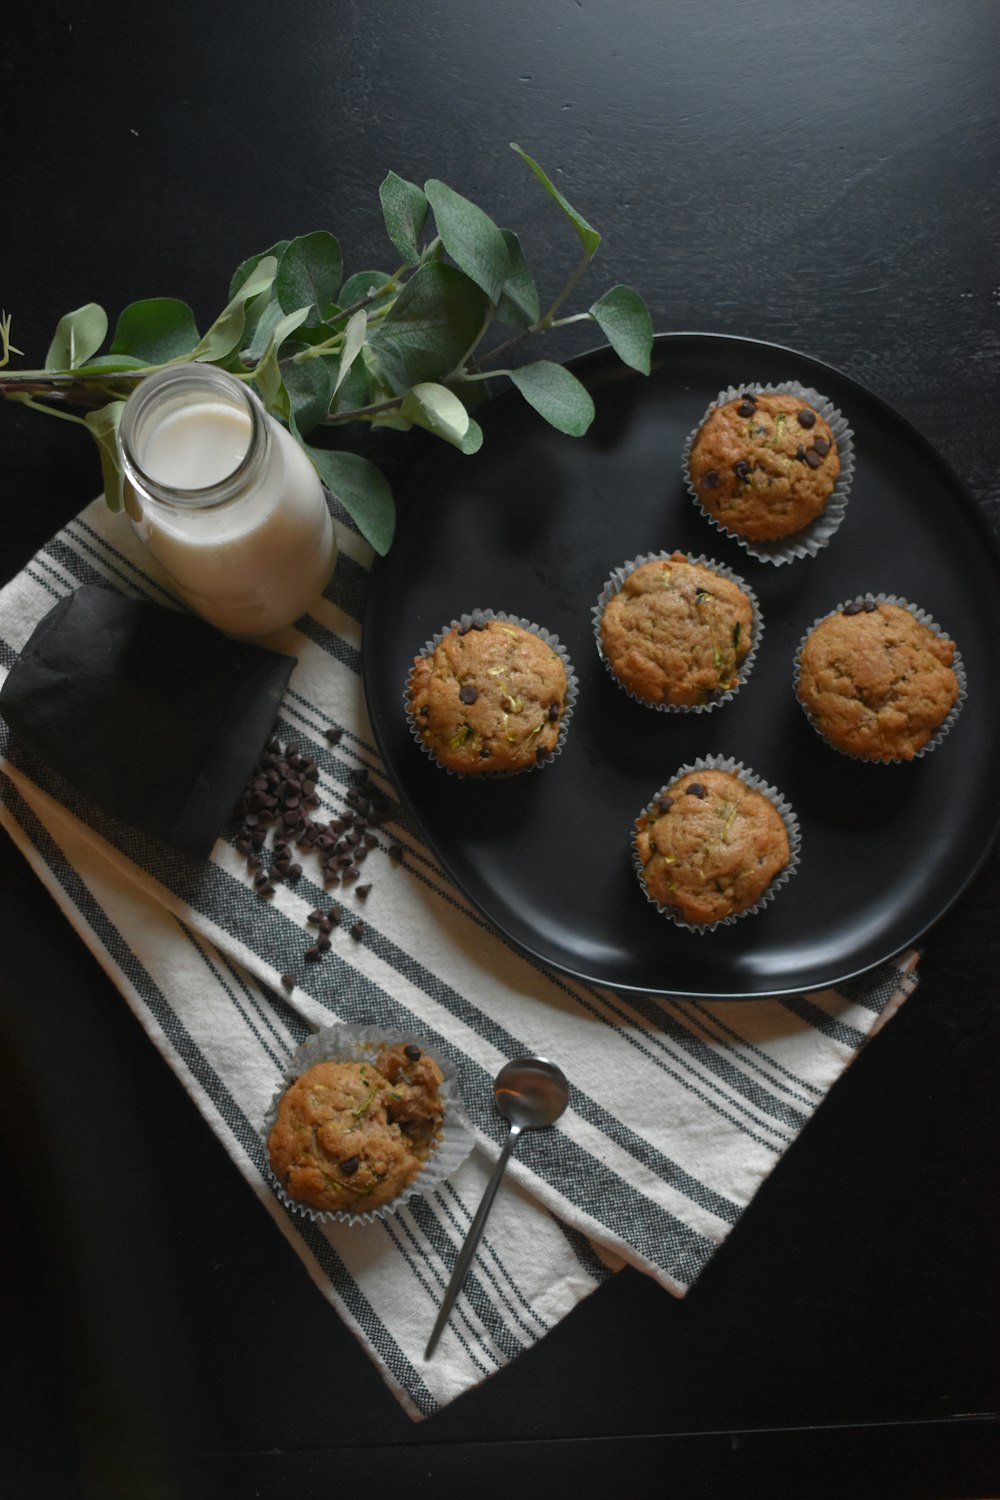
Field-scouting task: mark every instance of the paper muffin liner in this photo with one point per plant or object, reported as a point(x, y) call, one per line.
point(814, 537)
point(957, 666)
point(781, 806)
point(572, 690)
point(342, 1042)
point(616, 582)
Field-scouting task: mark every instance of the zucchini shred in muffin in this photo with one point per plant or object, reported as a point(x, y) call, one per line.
point(764, 464)
point(676, 632)
point(710, 844)
point(490, 696)
point(875, 681)
point(353, 1134)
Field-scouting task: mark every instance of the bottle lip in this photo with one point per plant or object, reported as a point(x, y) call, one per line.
point(200, 379)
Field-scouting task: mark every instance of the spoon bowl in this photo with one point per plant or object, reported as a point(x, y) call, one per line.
point(530, 1093)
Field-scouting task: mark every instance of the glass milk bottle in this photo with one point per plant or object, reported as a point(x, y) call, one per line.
point(225, 500)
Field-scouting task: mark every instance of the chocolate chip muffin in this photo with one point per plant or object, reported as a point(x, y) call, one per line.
point(709, 845)
point(490, 696)
point(764, 465)
point(875, 681)
point(676, 633)
point(352, 1135)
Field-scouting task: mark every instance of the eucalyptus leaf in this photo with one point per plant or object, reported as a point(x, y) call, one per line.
point(354, 338)
point(362, 490)
point(470, 237)
point(227, 330)
point(309, 385)
point(356, 390)
point(624, 320)
point(309, 274)
point(109, 364)
point(556, 395)
point(430, 327)
point(404, 208)
point(246, 267)
point(78, 336)
point(267, 321)
point(267, 375)
point(518, 306)
point(589, 237)
point(439, 410)
point(156, 330)
point(473, 440)
point(103, 424)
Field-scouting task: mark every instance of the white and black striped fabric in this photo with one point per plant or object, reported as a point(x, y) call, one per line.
point(679, 1110)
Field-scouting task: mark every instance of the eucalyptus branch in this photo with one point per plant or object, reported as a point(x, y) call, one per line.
point(291, 328)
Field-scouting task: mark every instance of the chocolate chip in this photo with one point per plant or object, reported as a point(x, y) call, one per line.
point(870, 606)
point(800, 452)
point(813, 459)
point(350, 1166)
point(288, 980)
point(553, 712)
point(742, 470)
point(710, 480)
point(312, 954)
point(807, 418)
point(357, 929)
point(822, 446)
point(485, 753)
point(747, 407)
point(542, 752)
point(854, 608)
point(664, 803)
point(412, 1052)
point(696, 790)
point(467, 693)
point(362, 890)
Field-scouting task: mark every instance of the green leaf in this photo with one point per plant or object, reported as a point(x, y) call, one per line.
point(78, 335)
point(556, 395)
point(624, 320)
point(473, 440)
point(156, 330)
point(428, 330)
point(110, 363)
point(354, 338)
point(267, 321)
point(227, 330)
point(357, 287)
point(356, 390)
point(589, 237)
point(310, 390)
point(103, 425)
point(362, 490)
point(245, 267)
point(267, 375)
point(404, 209)
point(309, 274)
point(439, 410)
point(518, 306)
point(470, 237)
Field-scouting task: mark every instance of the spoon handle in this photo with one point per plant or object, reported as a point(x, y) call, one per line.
point(472, 1239)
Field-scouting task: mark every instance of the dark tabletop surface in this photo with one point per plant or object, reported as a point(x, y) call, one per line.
point(822, 176)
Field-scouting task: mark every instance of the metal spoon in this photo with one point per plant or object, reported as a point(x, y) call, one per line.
point(530, 1092)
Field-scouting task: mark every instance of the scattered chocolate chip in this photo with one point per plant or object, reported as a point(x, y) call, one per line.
point(357, 929)
point(696, 790)
point(288, 980)
point(332, 735)
point(813, 459)
point(294, 872)
point(412, 1052)
point(822, 446)
point(807, 418)
point(710, 479)
point(312, 953)
point(350, 1166)
point(362, 890)
point(467, 693)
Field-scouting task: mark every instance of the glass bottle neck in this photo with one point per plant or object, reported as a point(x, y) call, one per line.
point(193, 437)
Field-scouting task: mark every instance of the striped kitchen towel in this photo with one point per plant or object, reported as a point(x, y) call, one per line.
point(679, 1109)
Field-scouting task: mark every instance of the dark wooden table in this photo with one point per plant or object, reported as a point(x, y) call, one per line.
point(821, 176)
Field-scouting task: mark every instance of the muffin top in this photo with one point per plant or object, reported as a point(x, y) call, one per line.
point(764, 465)
point(489, 697)
point(677, 633)
point(352, 1135)
point(710, 845)
point(876, 682)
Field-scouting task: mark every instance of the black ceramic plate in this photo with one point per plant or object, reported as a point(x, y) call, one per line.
point(532, 525)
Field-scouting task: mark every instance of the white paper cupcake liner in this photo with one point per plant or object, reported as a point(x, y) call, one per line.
point(957, 666)
point(572, 690)
point(781, 806)
point(342, 1042)
point(616, 582)
point(814, 537)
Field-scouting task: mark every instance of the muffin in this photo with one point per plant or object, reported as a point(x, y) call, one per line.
point(491, 695)
point(876, 680)
point(711, 843)
point(353, 1134)
point(676, 632)
point(764, 464)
